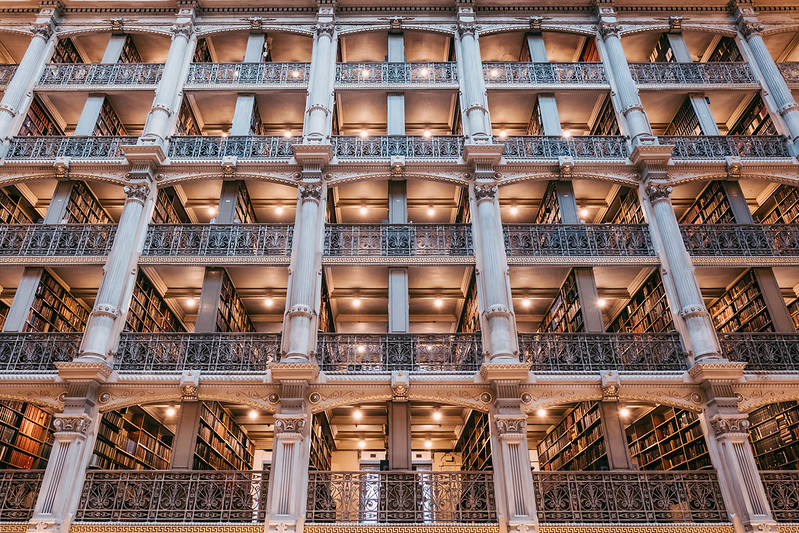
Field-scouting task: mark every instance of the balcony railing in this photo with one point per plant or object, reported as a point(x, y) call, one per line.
point(367, 240)
point(692, 73)
point(6, 73)
point(721, 146)
point(445, 352)
point(56, 240)
point(36, 352)
point(766, 352)
point(790, 71)
point(593, 240)
point(173, 496)
point(226, 240)
point(400, 497)
point(412, 73)
point(109, 147)
point(749, 240)
point(524, 73)
point(102, 74)
point(782, 491)
point(585, 147)
point(629, 497)
point(592, 352)
point(243, 147)
point(18, 492)
point(409, 146)
point(248, 74)
point(207, 352)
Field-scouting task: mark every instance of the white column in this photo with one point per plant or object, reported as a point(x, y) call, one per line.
point(702, 109)
point(94, 103)
point(550, 118)
point(474, 103)
point(245, 103)
point(398, 305)
point(319, 105)
point(288, 480)
point(114, 48)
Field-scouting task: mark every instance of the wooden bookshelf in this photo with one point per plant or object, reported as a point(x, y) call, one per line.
point(38, 121)
point(474, 443)
point(168, 208)
point(726, 50)
point(132, 439)
point(565, 314)
point(148, 312)
point(26, 435)
point(326, 324)
point(710, 207)
point(662, 53)
point(625, 208)
point(322, 443)
point(130, 54)
point(742, 307)
point(576, 442)
point(606, 123)
point(108, 123)
point(535, 125)
point(549, 210)
point(774, 433)
point(590, 52)
point(793, 308)
point(232, 315)
point(782, 207)
point(685, 121)
point(187, 124)
point(647, 311)
point(202, 52)
point(66, 52)
point(54, 309)
point(469, 321)
point(221, 443)
point(15, 208)
point(245, 212)
point(3, 314)
point(83, 207)
point(666, 438)
point(755, 120)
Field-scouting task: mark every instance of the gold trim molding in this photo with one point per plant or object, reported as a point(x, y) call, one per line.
point(166, 528)
point(14, 527)
point(425, 528)
point(653, 528)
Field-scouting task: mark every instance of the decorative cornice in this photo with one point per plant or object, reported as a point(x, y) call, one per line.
point(749, 28)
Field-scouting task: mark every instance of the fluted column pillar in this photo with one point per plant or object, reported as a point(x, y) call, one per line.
point(474, 103)
point(319, 105)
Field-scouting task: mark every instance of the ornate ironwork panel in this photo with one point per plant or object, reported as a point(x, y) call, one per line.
point(36, 352)
point(409, 146)
point(102, 74)
point(398, 240)
point(445, 352)
point(6, 73)
point(208, 352)
point(364, 73)
point(73, 147)
point(593, 240)
point(588, 147)
point(790, 71)
point(782, 490)
point(368, 497)
point(62, 240)
point(173, 496)
point(692, 73)
point(592, 352)
point(721, 146)
point(243, 147)
point(770, 352)
point(515, 73)
point(227, 240)
point(248, 73)
point(624, 497)
point(18, 492)
point(751, 240)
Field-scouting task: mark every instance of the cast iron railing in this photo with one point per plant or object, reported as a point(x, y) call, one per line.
point(592, 352)
point(692, 73)
point(208, 352)
point(18, 492)
point(790, 71)
point(374, 497)
point(56, 240)
point(584, 147)
point(782, 491)
point(411, 73)
point(173, 496)
point(102, 74)
point(398, 240)
point(109, 147)
point(6, 73)
point(37, 352)
point(749, 240)
point(243, 147)
point(227, 240)
point(766, 352)
point(721, 146)
point(248, 73)
point(629, 497)
point(409, 146)
point(594, 240)
point(365, 353)
point(521, 73)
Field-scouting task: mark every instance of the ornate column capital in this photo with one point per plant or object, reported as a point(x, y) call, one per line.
point(749, 28)
point(137, 192)
point(608, 29)
point(467, 28)
point(511, 426)
point(658, 192)
point(730, 425)
point(74, 426)
point(485, 192)
point(310, 193)
point(289, 424)
point(325, 28)
point(44, 30)
point(182, 29)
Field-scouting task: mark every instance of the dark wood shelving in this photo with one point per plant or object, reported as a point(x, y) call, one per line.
point(54, 309)
point(66, 52)
point(625, 208)
point(742, 307)
point(148, 312)
point(755, 120)
point(15, 208)
point(83, 207)
point(132, 439)
point(221, 443)
point(549, 210)
point(38, 121)
point(322, 443)
point(774, 433)
point(710, 207)
point(130, 54)
point(666, 438)
point(685, 121)
point(606, 123)
point(168, 208)
point(565, 314)
point(647, 311)
point(782, 207)
point(232, 315)
point(26, 435)
point(474, 443)
point(187, 124)
point(576, 442)
point(108, 123)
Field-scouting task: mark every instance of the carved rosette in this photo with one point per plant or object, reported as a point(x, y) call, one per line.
point(44, 30)
point(183, 29)
point(658, 192)
point(482, 193)
point(749, 28)
point(71, 424)
point(311, 193)
point(608, 29)
point(137, 192)
point(730, 425)
point(289, 424)
point(511, 425)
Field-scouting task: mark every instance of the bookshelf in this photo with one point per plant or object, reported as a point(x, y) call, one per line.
point(66, 52)
point(662, 53)
point(148, 312)
point(710, 207)
point(685, 121)
point(132, 439)
point(221, 443)
point(326, 323)
point(55, 309)
point(565, 314)
point(108, 123)
point(202, 53)
point(606, 123)
point(666, 438)
point(83, 207)
point(647, 311)
point(590, 52)
point(322, 443)
point(741, 307)
point(774, 434)
point(536, 125)
point(625, 208)
point(256, 126)
point(576, 442)
point(168, 208)
point(474, 443)
point(245, 212)
point(782, 207)
point(549, 210)
point(130, 54)
point(793, 308)
point(469, 321)
point(14, 208)
point(38, 121)
point(3, 314)
point(187, 124)
point(726, 50)
point(232, 315)
point(26, 435)
point(755, 120)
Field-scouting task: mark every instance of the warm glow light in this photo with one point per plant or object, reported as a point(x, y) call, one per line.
point(253, 413)
point(356, 302)
point(567, 133)
point(526, 302)
point(431, 211)
point(514, 210)
point(542, 413)
point(624, 412)
point(212, 211)
point(503, 134)
point(364, 134)
point(268, 302)
point(362, 444)
point(427, 134)
point(287, 135)
point(438, 302)
point(364, 210)
point(224, 134)
point(191, 302)
point(295, 73)
point(365, 73)
point(437, 415)
point(602, 302)
point(361, 348)
point(279, 210)
point(171, 411)
point(494, 73)
point(423, 71)
point(428, 444)
point(583, 212)
point(357, 414)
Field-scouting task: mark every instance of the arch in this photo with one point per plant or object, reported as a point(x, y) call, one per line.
point(212, 30)
point(761, 398)
point(167, 181)
point(356, 177)
point(630, 181)
point(588, 394)
point(16, 31)
point(727, 31)
point(129, 28)
point(788, 180)
point(167, 395)
point(588, 31)
point(470, 397)
point(53, 403)
point(789, 28)
point(76, 176)
point(444, 29)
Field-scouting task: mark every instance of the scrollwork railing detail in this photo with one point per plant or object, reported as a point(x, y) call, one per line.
point(409, 146)
point(782, 491)
point(721, 146)
point(243, 147)
point(398, 240)
point(522, 73)
point(790, 71)
point(102, 74)
point(6, 73)
point(767, 352)
point(109, 147)
point(56, 240)
point(37, 352)
point(748, 240)
point(583, 147)
point(411, 73)
point(594, 240)
point(19, 489)
point(692, 73)
point(227, 240)
point(248, 73)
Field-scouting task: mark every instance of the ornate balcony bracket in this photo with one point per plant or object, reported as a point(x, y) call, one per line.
point(294, 371)
point(313, 154)
point(492, 372)
point(651, 157)
point(83, 371)
point(483, 154)
point(146, 154)
point(718, 371)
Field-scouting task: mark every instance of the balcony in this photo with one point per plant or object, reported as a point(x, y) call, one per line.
point(36, 352)
point(371, 354)
point(741, 240)
point(762, 352)
point(694, 74)
point(629, 497)
point(782, 491)
point(582, 148)
point(386, 497)
point(790, 71)
point(398, 240)
point(721, 146)
point(244, 75)
point(92, 76)
point(79, 148)
point(412, 147)
point(217, 147)
point(6, 73)
point(396, 75)
point(173, 496)
point(517, 75)
point(594, 352)
point(56, 240)
point(218, 240)
point(19, 489)
point(577, 240)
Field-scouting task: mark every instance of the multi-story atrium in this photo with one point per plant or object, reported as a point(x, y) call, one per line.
point(344, 266)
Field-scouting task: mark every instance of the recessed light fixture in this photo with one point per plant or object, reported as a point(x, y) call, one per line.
point(493, 73)
point(567, 133)
point(361, 348)
point(224, 134)
point(601, 302)
point(268, 302)
point(212, 211)
point(279, 210)
point(428, 444)
point(437, 415)
point(514, 210)
point(526, 302)
point(356, 302)
point(542, 413)
point(366, 73)
point(431, 211)
point(357, 414)
point(364, 134)
point(438, 302)
point(503, 134)
point(423, 71)
point(287, 134)
point(295, 73)
point(364, 210)
point(583, 212)
point(361, 444)
point(253, 413)
point(171, 411)
point(427, 134)
point(624, 412)
point(191, 302)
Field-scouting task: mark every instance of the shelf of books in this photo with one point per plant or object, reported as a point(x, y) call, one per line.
point(66, 52)
point(710, 207)
point(742, 307)
point(474, 443)
point(782, 207)
point(187, 124)
point(232, 315)
point(130, 54)
point(245, 212)
point(108, 123)
point(755, 120)
point(168, 208)
point(55, 309)
point(132, 439)
point(26, 435)
point(576, 442)
point(565, 314)
point(83, 207)
point(793, 308)
point(469, 321)
point(38, 121)
point(322, 443)
point(666, 438)
point(221, 443)
point(774, 433)
point(14, 208)
point(606, 123)
point(549, 210)
point(4, 308)
point(685, 121)
point(625, 208)
point(647, 311)
point(148, 312)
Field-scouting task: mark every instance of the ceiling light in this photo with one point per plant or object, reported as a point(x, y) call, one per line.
point(493, 73)
point(191, 302)
point(357, 414)
point(438, 302)
point(428, 444)
point(212, 211)
point(362, 444)
point(514, 210)
point(624, 412)
point(423, 71)
point(583, 212)
point(279, 210)
point(224, 134)
point(437, 415)
point(364, 134)
point(431, 211)
point(602, 302)
point(364, 210)
point(361, 348)
point(365, 73)
point(526, 302)
point(253, 413)
point(542, 413)
point(171, 411)
point(287, 134)
point(567, 133)
point(503, 134)
point(268, 302)
point(427, 134)
point(356, 302)
point(295, 73)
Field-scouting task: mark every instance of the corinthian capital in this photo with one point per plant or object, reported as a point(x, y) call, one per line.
point(511, 425)
point(467, 28)
point(608, 28)
point(487, 192)
point(658, 192)
point(749, 28)
point(325, 28)
point(312, 193)
point(731, 424)
point(183, 29)
point(289, 424)
point(43, 30)
point(137, 192)
point(71, 424)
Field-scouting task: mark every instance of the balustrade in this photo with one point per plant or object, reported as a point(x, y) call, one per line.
point(374, 497)
point(102, 74)
point(173, 496)
point(750, 240)
point(445, 352)
point(242, 147)
point(629, 497)
point(36, 352)
point(56, 240)
point(790, 71)
point(584, 147)
point(6, 73)
point(692, 73)
point(109, 147)
point(18, 492)
point(593, 240)
point(361, 240)
point(782, 491)
point(227, 240)
point(249, 74)
point(207, 352)
point(721, 146)
point(411, 73)
point(524, 73)
point(769, 352)
point(409, 146)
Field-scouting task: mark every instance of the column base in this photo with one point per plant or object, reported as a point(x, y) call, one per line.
point(283, 526)
point(46, 526)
